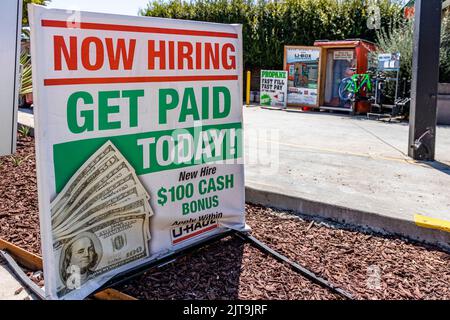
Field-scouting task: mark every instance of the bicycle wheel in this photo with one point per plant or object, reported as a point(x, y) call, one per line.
point(347, 89)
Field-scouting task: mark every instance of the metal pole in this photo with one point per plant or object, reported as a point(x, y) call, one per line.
point(425, 77)
point(247, 91)
point(397, 80)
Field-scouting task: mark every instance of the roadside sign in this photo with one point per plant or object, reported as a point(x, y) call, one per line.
point(389, 61)
point(138, 141)
point(273, 91)
point(11, 26)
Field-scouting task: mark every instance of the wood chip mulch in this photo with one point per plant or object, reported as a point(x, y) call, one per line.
point(19, 217)
point(227, 269)
point(366, 265)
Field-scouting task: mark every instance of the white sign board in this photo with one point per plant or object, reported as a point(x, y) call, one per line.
point(303, 78)
point(343, 55)
point(389, 61)
point(294, 55)
point(138, 141)
point(273, 88)
point(11, 29)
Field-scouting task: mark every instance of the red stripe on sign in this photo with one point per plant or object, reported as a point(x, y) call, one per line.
point(69, 81)
point(195, 234)
point(119, 27)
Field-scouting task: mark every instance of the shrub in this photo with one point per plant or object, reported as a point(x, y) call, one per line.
point(400, 39)
point(268, 26)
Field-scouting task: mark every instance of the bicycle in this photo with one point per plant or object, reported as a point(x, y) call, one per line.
point(350, 87)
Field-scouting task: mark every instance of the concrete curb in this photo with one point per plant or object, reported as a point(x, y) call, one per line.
point(368, 221)
point(26, 119)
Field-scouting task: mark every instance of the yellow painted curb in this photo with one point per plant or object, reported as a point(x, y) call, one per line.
point(432, 223)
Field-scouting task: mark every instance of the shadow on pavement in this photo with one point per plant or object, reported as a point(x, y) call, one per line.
point(444, 168)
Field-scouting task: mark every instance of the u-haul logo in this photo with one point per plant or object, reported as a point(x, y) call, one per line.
point(189, 231)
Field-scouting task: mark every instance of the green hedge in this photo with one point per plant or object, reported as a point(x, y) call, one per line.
point(25, 9)
point(268, 26)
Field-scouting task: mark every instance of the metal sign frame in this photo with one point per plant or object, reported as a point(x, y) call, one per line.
point(10, 38)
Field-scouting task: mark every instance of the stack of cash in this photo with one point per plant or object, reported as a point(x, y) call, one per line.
point(100, 220)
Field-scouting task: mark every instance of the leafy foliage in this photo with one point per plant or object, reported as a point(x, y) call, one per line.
point(27, 81)
point(444, 70)
point(24, 131)
point(269, 25)
point(400, 39)
point(17, 160)
point(25, 9)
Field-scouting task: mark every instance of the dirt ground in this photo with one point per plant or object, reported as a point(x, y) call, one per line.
point(366, 265)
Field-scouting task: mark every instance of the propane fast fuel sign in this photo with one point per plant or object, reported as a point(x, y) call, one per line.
point(273, 88)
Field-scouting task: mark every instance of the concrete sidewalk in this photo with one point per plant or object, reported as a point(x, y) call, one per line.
point(26, 118)
point(11, 288)
point(349, 169)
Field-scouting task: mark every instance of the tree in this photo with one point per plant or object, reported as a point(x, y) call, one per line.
point(25, 9)
point(270, 25)
point(400, 39)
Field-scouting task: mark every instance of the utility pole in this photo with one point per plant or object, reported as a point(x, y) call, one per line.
point(425, 78)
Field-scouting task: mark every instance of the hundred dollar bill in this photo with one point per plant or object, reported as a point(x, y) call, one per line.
point(106, 192)
point(60, 213)
point(85, 170)
point(120, 192)
point(99, 249)
point(139, 205)
point(111, 176)
point(109, 170)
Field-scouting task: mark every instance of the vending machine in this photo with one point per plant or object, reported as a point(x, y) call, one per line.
point(303, 67)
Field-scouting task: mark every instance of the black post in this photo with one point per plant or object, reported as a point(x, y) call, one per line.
point(425, 78)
